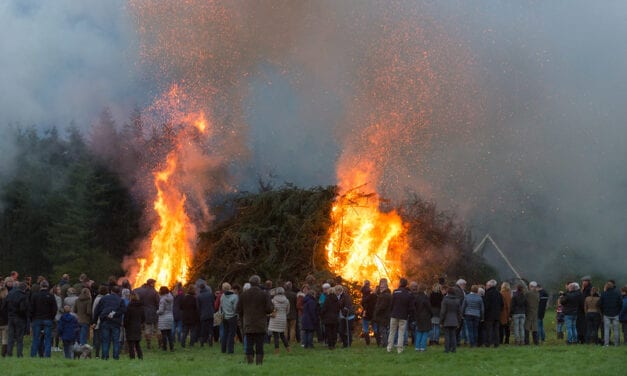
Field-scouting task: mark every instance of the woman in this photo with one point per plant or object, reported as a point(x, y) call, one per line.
point(166, 319)
point(329, 314)
point(190, 316)
point(435, 299)
point(593, 316)
point(473, 310)
point(278, 320)
point(450, 318)
point(309, 316)
point(519, 308)
point(4, 320)
point(82, 309)
point(422, 312)
point(133, 320)
point(57, 296)
point(228, 305)
point(504, 319)
point(178, 294)
point(622, 316)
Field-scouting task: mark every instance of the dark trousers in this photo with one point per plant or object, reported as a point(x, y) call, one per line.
point(308, 338)
point(206, 332)
point(593, 321)
point(276, 336)
point(167, 337)
point(331, 333)
point(581, 327)
point(346, 332)
point(97, 342)
point(68, 350)
point(504, 334)
point(192, 330)
point(492, 333)
point(254, 343)
point(16, 330)
point(134, 347)
point(450, 339)
point(227, 342)
point(472, 327)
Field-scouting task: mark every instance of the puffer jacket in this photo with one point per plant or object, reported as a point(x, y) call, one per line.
point(473, 306)
point(278, 323)
point(166, 318)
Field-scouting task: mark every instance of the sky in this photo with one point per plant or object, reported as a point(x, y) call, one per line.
point(516, 109)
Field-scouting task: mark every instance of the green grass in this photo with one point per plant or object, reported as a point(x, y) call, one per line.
point(551, 358)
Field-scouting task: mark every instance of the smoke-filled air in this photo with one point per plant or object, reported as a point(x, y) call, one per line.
point(509, 116)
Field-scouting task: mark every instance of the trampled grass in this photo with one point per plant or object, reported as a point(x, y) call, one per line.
point(548, 359)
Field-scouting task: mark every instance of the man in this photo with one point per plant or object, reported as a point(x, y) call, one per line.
point(610, 305)
point(205, 309)
point(493, 307)
point(368, 305)
point(346, 316)
point(292, 316)
point(150, 298)
point(402, 310)
point(253, 307)
point(531, 314)
point(110, 311)
point(572, 302)
point(17, 307)
point(43, 310)
point(544, 299)
point(460, 293)
point(383, 312)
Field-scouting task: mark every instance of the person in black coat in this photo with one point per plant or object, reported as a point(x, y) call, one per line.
point(134, 318)
point(422, 318)
point(205, 310)
point(572, 304)
point(17, 312)
point(450, 318)
point(493, 306)
point(190, 317)
point(544, 299)
point(402, 310)
point(43, 309)
point(383, 312)
point(368, 304)
point(329, 313)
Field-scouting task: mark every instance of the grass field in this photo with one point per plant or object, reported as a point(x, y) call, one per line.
point(551, 358)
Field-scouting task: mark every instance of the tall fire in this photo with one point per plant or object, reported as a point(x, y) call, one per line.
point(168, 257)
point(364, 243)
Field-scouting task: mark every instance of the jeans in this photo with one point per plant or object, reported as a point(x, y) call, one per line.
point(450, 339)
point(110, 331)
point(519, 327)
point(472, 327)
point(571, 328)
point(434, 334)
point(178, 330)
point(17, 327)
point(38, 326)
point(192, 330)
point(397, 329)
point(276, 336)
point(84, 333)
point(227, 342)
point(365, 328)
point(308, 338)
point(420, 340)
point(541, 332)
point(610, 322)
point(68, 350)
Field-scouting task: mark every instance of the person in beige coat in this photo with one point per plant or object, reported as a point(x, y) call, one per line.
point(82, 309)
point(531, 314)
point(278, 319)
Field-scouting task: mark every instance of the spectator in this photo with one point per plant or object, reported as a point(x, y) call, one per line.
point(71, 298)
point(68, 328)
point(368, 304)
point(422, 317)
point(347, 315)
point(586, 290)
point(402, 309)
point(473, 311)
point(451, 318)
point(82, 309)
point(166, 319)
point(133, 321)
point(610, 304)
point(329, 313)
point(505, 319)
point(383, 312)
point(178, 293)
point(493, 308)
point(593, 316)
point(623, 313)
point(278, 319)
point(228, 308)
point(435, 299)
point(190, 317)
point(253, 307)
point(43, 309)
point(4, 320)
point(519, 309)
point(205, 310)
point(544, 299)
point(309, 317)
point(95, 321)
point(531, 314)
point(572, 303)
point(150, 299)
point(17, 309)
point(292, 316)
point(110, 310)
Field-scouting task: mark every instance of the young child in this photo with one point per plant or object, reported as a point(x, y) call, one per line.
point(67, 328)
point(559, 317)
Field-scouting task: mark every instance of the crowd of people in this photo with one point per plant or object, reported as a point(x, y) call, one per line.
point(114, 317)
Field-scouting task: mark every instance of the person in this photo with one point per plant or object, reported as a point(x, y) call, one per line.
point(110, 310)
point(165, 319)
point(493, 308)
point(572, 302)
point(68, 328)
point(278, 319)
point(435, 299)
point(71, 298)
point(460, 292)
point(368, 305)
point(531, 314)
point(17, 311)
point(150, 299)
point(133, 321)
point(43, 308)
point(82, 309)
point(519, 309)
point(102, 291)
point(190, 317)
point(504, 319)
point(228, 306)
point(593, 316)
point(205, 310)
point(4, 320)
point(473, 311)
point(402, 309)
point(309, 317)
point(329, 313)
point(60, 311)
point(178, 292)
point(586, 291)
point(422, 318)
point(347, 315)
point(292, 316)
point(610, 305)
point(559, 316)
point(383, 312)
point(544, 299)
point(253, 307)
point(622, 316)
point(451, 318)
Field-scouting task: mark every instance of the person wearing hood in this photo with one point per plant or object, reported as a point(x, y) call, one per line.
point(82, 309)
point(68, 325)
point(133, 320)
point(278, 320)
point(228, 305)
point(166, 318)
point(205, 310)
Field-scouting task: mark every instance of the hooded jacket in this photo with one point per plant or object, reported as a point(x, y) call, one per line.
point(281, 307)
point(82, 307)
point(205, 303)
point(133, 320)
point(166, 318)
point(68, 327)
point(228, 304)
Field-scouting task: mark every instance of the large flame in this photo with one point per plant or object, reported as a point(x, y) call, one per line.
point(364, 243)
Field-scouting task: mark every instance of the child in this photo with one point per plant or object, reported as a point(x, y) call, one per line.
point(559, 316)
point(67, 328)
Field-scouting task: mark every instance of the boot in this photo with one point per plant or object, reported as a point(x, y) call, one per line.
point(367, 338)
point(259, 359)
point(249, 359)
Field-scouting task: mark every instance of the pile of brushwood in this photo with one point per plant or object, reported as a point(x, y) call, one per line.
point(280, 234)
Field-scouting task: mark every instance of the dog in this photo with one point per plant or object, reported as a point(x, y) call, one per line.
point(82, 351)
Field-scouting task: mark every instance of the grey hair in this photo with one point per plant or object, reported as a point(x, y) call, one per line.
point(490, 283)
point(254, 280)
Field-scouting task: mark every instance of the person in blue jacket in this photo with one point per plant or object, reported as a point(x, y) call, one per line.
point(68, 331)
